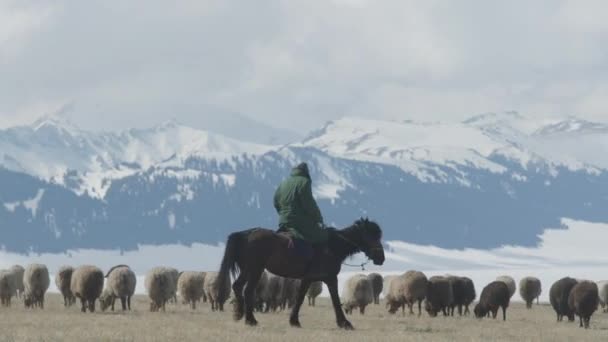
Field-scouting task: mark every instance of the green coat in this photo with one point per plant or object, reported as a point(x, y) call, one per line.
point(297, 208)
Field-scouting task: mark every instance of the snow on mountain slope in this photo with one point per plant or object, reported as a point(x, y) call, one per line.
point(54, 150)
point(426, 150)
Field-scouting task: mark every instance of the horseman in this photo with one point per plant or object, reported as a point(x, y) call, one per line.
point(299, 214)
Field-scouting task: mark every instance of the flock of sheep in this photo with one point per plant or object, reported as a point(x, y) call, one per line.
point(568, 296)
point(440, 294)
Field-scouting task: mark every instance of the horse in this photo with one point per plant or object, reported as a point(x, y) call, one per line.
point(249, 252)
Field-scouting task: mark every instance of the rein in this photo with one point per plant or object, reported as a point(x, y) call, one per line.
point(362, 265)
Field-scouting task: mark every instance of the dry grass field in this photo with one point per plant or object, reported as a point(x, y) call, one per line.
point(56, 323)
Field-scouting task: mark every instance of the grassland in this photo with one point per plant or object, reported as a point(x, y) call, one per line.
point(56, 323)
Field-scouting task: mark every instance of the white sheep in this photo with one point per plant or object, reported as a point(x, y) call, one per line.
point(160, 287)
point(191, 287)
point(18, 272)
point(87, 284)
point(358, 292)
point(120, 283)
point(214, 293)
point(63, 280)
point(510, 283)
point(409, 288)
point(603, 293)
point(35, 283)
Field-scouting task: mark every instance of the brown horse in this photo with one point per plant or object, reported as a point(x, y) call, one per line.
point(251, 251)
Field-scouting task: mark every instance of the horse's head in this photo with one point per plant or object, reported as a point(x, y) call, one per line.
point(370, 236)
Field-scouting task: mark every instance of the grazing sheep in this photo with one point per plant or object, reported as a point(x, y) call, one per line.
point(63, 281)
point(358, 292)
point(174, 276)
point(470, 294)
point(529, 289)
point(214, 293)
point(35, 283)
point(409, 288)
point(558, 295)
point(583, 301)
point(191, 287)
point(439, 296)
point(272, 294)
point(314, 290)
point(510, 282)
point(259, 290)
point(377, 283)
point(387, 284)
point(87, 284)
point(603, 292)
point(495, 295)
point(290, 292)
point(160, 287)
point(459, 293)
point(7, 284)
point(18, 272)
point(121, 282)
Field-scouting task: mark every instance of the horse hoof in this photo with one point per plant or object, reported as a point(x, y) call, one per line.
point(251, 322)
point(346, 326)
point(295, 324)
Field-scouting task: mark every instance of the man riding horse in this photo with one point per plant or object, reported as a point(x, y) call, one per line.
point(299, 214)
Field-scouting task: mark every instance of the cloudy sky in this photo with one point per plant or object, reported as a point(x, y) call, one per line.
point(296, 64)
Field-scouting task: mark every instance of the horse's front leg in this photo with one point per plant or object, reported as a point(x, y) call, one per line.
point(332, 286)
point(294, 319)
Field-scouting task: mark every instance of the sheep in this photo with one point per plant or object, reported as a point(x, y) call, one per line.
point(386, 284)
point(18, 272)
point(510, 282)
point(494, 295)
point(121, 282)
point(377, 283)
point(290, 292)
point(273, 293)
point(458, 292)
point(358, 292)
point(603, 293)
point(7, 284)
point(174, 277)
point(529, 289)
point(583, 301)
point(314, 290)
point(259, 290)
point(214, 293)
point(409, 288)
point(87, 284)
point(469, 293)
point(439, 296)
point(558, 296)
point(160, 287)
point(35, 283)
point(63, 280)
point(191, 287)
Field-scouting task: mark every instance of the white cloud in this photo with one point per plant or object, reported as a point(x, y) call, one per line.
point(299, 63)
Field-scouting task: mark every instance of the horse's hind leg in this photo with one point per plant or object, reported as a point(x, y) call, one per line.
point(237, 287)
point(252, 283)
point(294, 318)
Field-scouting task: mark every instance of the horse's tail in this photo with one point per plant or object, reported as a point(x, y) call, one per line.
point(229, 264)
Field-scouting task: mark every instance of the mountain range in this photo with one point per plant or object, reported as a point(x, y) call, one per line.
point(492, 180)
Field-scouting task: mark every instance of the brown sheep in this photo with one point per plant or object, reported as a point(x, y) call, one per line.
point(314, 290)
point(191, 287)
point(377, 283)
point(7, 284)
point(469, 293)
point(558, 295)
point(495, 295)
point(439, 296)
point(87, 284)
point(529, 289)
point(63, 280)
point(583, 301)
point(273, 294)
point(459, 292)
point(214, 294)
point(409, 288)
point(18, 286)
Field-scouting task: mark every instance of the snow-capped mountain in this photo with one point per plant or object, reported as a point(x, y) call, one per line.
point(492, 180)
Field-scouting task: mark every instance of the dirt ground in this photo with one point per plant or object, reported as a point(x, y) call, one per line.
point(179, 323)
